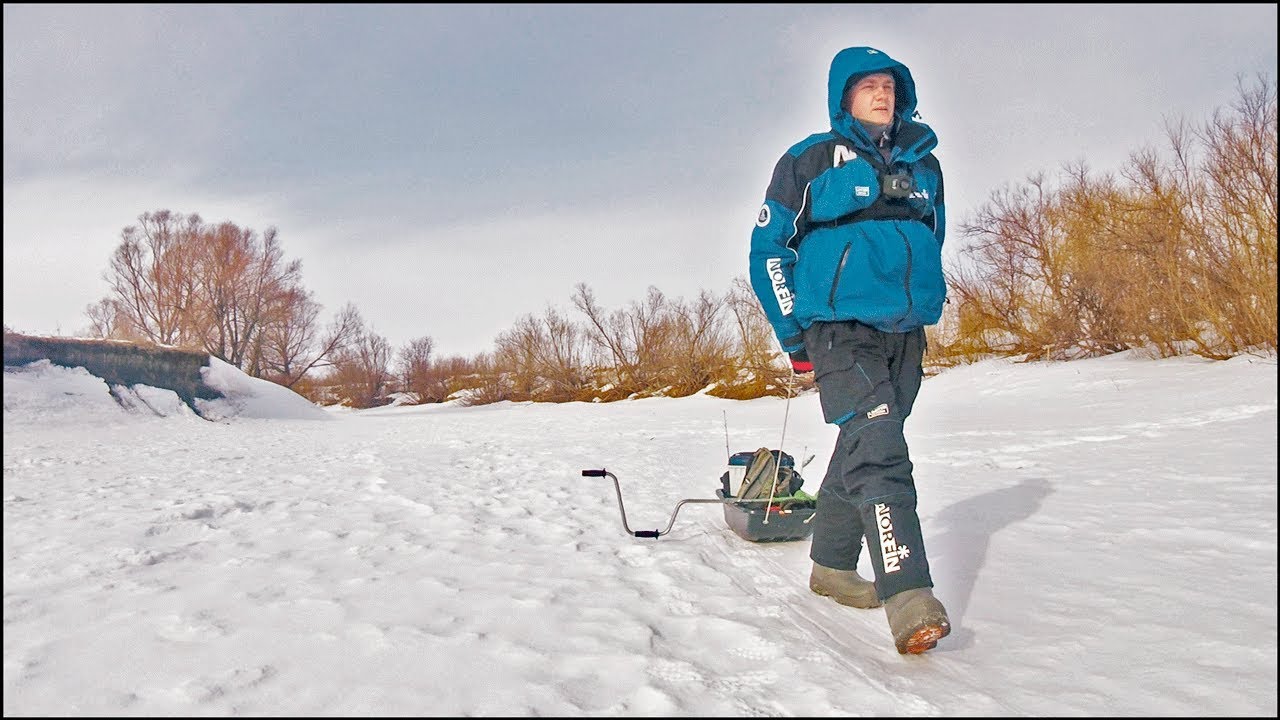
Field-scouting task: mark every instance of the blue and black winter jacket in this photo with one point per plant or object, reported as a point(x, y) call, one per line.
point(828, 244)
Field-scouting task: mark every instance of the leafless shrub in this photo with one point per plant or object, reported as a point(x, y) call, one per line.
point(544, 358)
point(702, 348)
point(632, 342)
point(668, 346)
point(1177, 252)
point(416, 372)
point(487, 383)
point(1231, 219)
point(760, 368)
point(360, 373)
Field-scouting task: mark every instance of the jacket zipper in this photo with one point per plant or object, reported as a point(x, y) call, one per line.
point(835, 283)
point(906, 281)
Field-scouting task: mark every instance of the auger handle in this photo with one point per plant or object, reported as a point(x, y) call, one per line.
point(651, 533)
point(622, 510)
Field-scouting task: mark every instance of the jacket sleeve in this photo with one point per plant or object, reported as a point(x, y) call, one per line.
point(772, 259)
point(939, 211)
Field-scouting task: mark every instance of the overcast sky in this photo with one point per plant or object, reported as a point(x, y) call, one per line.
point(449, 169)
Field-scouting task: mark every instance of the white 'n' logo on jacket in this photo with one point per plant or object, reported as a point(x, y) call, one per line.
point(843, 155)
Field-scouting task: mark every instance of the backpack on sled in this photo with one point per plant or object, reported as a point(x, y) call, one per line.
point(768, 505)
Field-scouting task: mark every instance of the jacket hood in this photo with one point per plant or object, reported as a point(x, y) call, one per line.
point(855, 62)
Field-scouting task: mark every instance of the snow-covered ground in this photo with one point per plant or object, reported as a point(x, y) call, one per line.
point(1102, 532)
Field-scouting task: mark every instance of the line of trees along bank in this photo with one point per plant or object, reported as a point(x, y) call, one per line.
point(1176, 253)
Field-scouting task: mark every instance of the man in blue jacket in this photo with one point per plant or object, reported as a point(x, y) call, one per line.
point(846, 261)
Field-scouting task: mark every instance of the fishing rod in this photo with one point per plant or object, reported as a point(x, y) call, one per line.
point(777, 467)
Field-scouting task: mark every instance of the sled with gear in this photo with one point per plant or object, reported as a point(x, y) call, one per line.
point(767, 506)
point(788, 511)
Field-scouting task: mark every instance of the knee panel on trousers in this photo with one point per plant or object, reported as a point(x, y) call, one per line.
point(874, 459)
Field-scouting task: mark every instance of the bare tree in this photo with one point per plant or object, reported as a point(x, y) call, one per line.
point(151, 274)
point(244, 286)
point(1011, 247)
point(361, 370)
point(563, 358)
point(107, 320)
point(221, 289)
point(345, 329)
point(292, 346)
point(416, 373)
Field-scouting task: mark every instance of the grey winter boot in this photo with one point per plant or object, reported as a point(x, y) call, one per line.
point(917, 620)
point(846, 587)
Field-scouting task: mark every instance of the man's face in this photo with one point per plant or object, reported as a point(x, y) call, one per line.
point(871, 99)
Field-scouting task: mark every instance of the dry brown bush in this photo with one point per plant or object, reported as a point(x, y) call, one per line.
point(415, 371)
point(463, 373)
point(628, 344)
point(702, 349)
point(360, 373)
point(544, 358)
point(759, 367)
point(487, 383)
point(1180, 254)
point(1006, 274)
point(663, 346)
point(1231, 222)
point(658, 347)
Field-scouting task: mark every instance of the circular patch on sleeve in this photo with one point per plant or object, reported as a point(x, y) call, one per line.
point(763, 218)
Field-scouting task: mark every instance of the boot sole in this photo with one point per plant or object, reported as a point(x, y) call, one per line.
point(847, 600)
point(925, 638)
